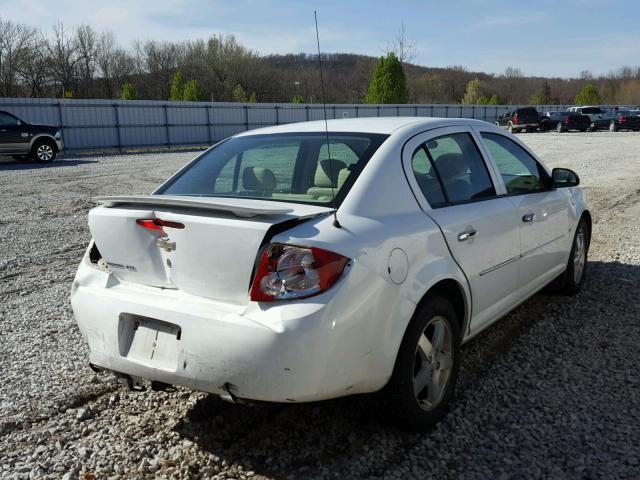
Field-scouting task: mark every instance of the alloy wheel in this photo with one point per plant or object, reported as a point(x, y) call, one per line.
point(433, 364)
point(44, 153)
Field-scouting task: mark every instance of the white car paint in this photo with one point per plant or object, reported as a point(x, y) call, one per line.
point(343, 341)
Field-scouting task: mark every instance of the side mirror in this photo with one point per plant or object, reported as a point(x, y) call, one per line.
point(563, 177)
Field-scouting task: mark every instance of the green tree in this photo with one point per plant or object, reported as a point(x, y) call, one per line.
point(388, 83)
point(494, 100)
point(192, 92)
point(238, 93)
point(589, 95)
point(177, 87)
point(542, 96)
point(472, 95)
point(482, 100)
point(297, 99)
point(128, 92)
point(253, 98)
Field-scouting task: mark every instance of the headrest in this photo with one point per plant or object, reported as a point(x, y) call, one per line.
point(258, 179)
point(327, 172)
point(451, 166)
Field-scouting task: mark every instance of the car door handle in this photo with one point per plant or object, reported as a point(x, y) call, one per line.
point(466, 235)
point(529, 217)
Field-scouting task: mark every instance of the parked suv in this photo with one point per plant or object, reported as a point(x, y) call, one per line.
point(21, 139)
point(594, 113)
point(525, 118)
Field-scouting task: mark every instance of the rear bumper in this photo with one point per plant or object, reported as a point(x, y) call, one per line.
point(293, 352)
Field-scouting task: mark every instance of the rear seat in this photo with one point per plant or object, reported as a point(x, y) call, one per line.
point(329, 173)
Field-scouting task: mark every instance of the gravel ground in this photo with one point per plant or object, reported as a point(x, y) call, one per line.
point(551, 391)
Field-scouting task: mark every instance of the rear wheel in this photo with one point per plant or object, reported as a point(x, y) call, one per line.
point(575, 274)
point(44, 151)
point(426, 370)
point(613, 127)
point(510, 128)
point(559, 128)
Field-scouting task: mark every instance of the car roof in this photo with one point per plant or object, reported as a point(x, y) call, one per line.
point(382, 125)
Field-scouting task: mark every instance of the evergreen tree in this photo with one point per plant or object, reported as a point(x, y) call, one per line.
point(388, 83)
point(192, 92)
point(589, 95)
point(177, 87)
point(542, 96)
point(252, 98)
point(128, 92)
point(494, 100)
point(297, 99)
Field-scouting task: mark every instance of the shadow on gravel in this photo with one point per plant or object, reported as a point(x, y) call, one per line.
point(348, 437)
point(17, 165)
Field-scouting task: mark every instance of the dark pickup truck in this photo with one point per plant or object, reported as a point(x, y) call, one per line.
point(564, 122)
point(525, 118)
point(22, 140)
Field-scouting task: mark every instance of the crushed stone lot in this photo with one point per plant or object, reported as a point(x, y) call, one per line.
point(550, 391)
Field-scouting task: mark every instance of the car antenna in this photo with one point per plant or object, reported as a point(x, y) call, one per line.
point(336, 223)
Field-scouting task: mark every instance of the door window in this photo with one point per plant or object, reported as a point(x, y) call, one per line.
point(520, 172)
point(449, 169)
point(7, 119)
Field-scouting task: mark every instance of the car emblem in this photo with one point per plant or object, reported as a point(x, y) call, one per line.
point(165, 244)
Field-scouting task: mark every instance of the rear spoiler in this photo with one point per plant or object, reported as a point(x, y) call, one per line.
point(244, 208)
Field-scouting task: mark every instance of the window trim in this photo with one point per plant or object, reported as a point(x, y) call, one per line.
point(414, 143)
point(541, 166)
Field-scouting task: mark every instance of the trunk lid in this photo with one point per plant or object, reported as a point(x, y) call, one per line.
point(212, 256)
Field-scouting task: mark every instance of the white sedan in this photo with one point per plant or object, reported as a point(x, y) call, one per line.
point(294, 264)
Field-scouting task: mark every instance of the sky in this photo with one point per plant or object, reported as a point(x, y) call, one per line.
point(554, 38)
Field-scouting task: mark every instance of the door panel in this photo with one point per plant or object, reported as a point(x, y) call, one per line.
point(544, 235)
point(489, 258)
point(457, 188)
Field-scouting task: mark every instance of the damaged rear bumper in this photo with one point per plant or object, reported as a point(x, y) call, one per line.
point(279, 352)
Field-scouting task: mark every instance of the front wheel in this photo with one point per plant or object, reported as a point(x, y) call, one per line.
point(426, 370)
point(575, 274)
point(43, 151)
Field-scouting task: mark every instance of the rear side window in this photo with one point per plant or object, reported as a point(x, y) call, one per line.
point(591, 110)
point(450, 169)
point(520, 172)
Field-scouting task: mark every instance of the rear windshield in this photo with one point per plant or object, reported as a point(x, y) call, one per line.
point(527, 111)
point(293, 167)
point(591, 110)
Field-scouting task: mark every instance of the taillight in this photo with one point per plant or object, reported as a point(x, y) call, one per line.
point(623, 119)
point(567, 120)
point(288, 272)
point(157, 224)
point(515, 118)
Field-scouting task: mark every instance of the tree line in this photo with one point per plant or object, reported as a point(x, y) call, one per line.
point(84, 63)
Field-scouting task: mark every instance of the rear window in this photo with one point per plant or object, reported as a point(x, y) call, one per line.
point(296, 167)
point(527, 111)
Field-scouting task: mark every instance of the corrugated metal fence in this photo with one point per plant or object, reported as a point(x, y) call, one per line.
point(126, 125)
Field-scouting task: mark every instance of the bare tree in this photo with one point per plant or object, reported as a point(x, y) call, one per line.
point(16, 42)
point(86, 45)
point(403, 48)
point(63, 57)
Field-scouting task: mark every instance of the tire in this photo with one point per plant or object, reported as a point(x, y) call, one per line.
point(576, 267)
point(543, 127)
point(613, 127)
point(44, 151)
point(510, 128)
point(415, 364)
point(559, 128)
